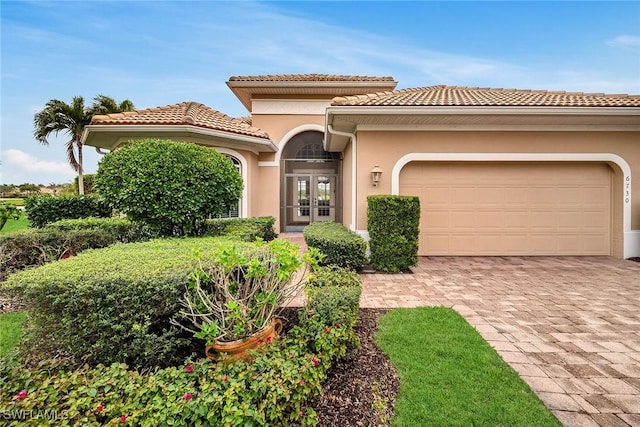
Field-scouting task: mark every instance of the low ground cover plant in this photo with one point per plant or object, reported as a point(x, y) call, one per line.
point(340, 245)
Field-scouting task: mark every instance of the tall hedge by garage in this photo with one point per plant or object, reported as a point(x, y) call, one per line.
point(394, 225)
point(171, 186)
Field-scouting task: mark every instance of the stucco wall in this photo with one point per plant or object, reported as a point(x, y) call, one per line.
point(387, 148)
point(280, 129)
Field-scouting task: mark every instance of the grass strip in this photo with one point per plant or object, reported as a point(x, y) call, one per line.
point(450, 376)
point(10, 331)
point(15, 225)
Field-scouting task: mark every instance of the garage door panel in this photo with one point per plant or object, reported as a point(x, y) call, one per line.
point(516, 208)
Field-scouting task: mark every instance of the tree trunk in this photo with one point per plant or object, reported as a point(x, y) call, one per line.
point(80, 170)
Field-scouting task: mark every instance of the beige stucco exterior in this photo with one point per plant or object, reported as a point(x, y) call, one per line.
point(594, 146)
point(389, 149)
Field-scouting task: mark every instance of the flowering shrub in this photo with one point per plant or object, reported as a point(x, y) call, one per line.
point(274, 388)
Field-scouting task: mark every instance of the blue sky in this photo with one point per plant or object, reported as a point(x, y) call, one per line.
point(162, 52)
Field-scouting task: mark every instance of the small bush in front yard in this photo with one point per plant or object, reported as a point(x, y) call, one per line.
point(43, 210)
point(113, 304)
point(333, 295)
point(245, 229)
point(394, 226)
point(340, 245)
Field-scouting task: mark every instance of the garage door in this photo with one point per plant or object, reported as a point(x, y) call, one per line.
point(512, 208)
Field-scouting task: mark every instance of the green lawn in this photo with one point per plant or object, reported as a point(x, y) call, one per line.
point(15, 225)
point(10, 331)
point(13, 201)
point(450, 376)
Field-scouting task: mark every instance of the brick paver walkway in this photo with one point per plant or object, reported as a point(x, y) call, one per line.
point(570, 326)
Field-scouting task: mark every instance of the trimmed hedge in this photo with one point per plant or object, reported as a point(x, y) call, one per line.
point(71, 236)
point(43, 210)
point(394, 226)
point(112, 305)
point(340, 245)
point(245, 229)
point(333, 295)
point(34, 247)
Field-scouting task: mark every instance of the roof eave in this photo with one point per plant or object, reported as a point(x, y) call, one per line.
point(244, 90)
point(107, 136)
point(351, 119)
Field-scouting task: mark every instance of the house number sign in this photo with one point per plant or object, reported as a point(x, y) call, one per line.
point(627, 189)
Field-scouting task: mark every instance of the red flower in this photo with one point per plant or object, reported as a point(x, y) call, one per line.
point(302, 381)
point(99, 408)
point(188, 369)
point(225, 379)
point(21, 394)
point(315, 361)
point(187, 396)
point(269, 339)
point(327, 329)
point(123, 419)
point(260, 342)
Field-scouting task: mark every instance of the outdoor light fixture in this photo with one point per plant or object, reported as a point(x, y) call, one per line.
point(376, 173)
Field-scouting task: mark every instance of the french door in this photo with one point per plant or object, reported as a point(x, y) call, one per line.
point(309, 198)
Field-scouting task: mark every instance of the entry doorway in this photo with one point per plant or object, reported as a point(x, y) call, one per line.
point(310, 178)
point(310, 198)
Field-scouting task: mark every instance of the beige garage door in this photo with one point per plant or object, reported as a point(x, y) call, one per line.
point(512, 208)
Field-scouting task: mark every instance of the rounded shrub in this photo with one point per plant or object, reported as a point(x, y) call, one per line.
point(171, 186)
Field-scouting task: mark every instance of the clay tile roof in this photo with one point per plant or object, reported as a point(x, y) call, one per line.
point(487, 97)
point(246, 119)
point(185, 113)
point(309, 78)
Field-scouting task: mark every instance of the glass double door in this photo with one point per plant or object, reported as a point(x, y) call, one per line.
point(310, 198)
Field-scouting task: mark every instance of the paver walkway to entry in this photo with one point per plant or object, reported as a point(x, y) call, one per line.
point(570, 325)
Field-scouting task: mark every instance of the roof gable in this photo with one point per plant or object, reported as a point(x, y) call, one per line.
point(487, 97)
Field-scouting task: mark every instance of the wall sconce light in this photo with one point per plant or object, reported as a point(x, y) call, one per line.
point(376, 173)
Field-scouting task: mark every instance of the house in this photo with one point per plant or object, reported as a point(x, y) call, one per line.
point(498, 171)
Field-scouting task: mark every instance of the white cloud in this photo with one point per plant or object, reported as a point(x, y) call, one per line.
point(625, 41)
point(20, 161)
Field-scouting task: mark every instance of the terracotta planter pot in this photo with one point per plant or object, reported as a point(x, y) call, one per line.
point(238, 349)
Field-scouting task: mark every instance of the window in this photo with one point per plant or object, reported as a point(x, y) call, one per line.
point(234, 211)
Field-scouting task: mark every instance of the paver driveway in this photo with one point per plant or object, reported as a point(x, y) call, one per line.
point(570, 326)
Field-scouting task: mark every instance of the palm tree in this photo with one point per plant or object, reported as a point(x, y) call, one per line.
point(72, 118)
